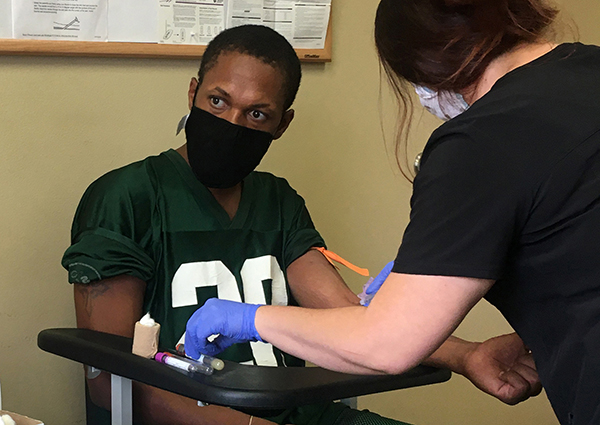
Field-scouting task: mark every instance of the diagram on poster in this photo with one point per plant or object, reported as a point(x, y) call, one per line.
point(84, 20)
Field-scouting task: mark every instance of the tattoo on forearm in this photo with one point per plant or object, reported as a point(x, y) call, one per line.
point(90, 292)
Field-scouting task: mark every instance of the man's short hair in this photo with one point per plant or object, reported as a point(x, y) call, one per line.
point(262, 43)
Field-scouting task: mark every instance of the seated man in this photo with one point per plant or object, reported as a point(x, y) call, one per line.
point(165, 234)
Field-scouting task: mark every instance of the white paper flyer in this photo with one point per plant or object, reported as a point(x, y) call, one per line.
point(81, 20)
point(133, 20)
point(310, 24)
point(6, 19)
point(243, 12)
point(279, 15)
point(190, 21)
point(303, 22)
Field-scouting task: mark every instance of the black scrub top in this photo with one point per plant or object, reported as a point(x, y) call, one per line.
point(510, 191)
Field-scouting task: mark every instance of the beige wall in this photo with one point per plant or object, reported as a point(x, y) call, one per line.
point(65, 121)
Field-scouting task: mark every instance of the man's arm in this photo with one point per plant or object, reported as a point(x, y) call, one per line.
point(113, 306)
point(315, 283)
point(405, 323)
point(500, 366)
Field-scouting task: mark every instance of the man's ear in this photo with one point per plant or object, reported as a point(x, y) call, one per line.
point(286, 120)
point(192, 92)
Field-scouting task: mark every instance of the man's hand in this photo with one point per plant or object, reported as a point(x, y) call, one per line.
point(504, 368)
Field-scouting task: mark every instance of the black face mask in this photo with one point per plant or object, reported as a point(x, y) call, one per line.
point(220, 153)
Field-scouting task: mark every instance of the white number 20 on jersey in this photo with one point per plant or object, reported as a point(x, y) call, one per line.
point(190, 276)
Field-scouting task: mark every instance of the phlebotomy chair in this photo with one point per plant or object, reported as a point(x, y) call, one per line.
point(253, 389)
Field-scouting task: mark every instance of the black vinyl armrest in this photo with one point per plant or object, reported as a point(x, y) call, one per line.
point(240, 386)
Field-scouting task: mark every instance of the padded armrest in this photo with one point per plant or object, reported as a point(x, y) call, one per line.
point(240, 386)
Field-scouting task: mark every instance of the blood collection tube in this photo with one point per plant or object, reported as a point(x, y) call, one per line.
point(184, 364)
point(216, 364)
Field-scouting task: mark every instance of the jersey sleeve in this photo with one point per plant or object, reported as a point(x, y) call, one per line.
point(112, 229)
point(464, 212)
point(301, 236)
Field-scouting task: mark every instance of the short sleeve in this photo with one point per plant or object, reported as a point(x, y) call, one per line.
point(302, 235)
point(112, 229)
point(465, 211)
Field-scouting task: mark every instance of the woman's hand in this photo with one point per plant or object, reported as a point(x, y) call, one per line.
point(376, 284)
point(232, 321)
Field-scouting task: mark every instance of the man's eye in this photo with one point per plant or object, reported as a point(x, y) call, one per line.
point(216, 101)
point(257, 115)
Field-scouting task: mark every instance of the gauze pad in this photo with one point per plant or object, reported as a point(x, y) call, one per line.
point(145, 337)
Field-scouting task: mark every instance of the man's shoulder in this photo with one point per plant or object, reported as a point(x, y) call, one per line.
point(139, 176)
point(270, 185)
point(265, 179)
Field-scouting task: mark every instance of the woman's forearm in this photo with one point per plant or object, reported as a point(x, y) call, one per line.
point(406, 322)
point(336, 339)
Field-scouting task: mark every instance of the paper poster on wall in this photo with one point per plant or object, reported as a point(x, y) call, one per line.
point(310, 24)
point(84, 20)
point(132, 20)
point(303, 23)
point(190, 21)
point(244, 12)
point(279, 15)
point(6, 19)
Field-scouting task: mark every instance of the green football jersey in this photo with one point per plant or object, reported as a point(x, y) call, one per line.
point(154, 220)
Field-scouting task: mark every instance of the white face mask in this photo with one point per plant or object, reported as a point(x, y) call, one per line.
point(444, 104)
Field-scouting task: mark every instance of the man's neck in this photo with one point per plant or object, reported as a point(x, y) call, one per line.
point(229, 198)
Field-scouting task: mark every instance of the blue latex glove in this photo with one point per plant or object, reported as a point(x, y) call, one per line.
point(377, 282)
point(233, 321)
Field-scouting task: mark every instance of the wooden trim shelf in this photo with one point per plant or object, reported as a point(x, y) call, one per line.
point(132, 50)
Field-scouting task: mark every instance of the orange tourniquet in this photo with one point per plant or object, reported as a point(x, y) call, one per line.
point(332, 256)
